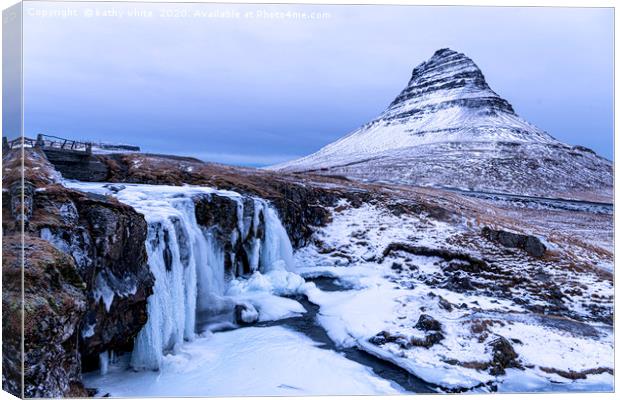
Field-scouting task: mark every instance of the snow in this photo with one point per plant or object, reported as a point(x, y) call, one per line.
point(379, 300)
point(551, 347)
point(273, 308)
point(263, 292)
point(529, 381)
point(249, 314)
point(270, 361)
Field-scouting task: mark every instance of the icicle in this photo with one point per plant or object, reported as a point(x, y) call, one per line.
point(276, 251)
point(172, 306)
point(258, 208)
point(255, 246)
point(104, 362)
point(254, 254)
point(240, 217)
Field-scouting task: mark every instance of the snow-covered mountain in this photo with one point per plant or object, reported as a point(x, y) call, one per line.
point(449, 128)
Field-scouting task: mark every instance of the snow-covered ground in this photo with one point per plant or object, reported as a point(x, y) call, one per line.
point(390, 293)
point(272, 361)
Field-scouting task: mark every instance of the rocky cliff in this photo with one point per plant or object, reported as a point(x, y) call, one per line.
point(76, 247)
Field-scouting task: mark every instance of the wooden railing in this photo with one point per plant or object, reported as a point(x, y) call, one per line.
point(55, 142)
point(48, 142)
point(17, 142)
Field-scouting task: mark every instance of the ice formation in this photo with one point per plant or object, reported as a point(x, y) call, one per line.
point(188, 262)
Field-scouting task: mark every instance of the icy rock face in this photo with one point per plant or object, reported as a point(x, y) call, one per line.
point(198, 239)
point(449, 115)
point(106, 240)
point(250, 231)
point(210, 239)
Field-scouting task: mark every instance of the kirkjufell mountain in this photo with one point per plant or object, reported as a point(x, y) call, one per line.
point(449, 128)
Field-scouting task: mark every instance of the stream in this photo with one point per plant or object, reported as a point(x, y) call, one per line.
point(307, 324)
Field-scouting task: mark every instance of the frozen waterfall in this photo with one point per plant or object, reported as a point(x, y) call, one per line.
point(188, 260)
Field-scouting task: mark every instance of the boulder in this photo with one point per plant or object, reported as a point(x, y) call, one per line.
point(245, 314)
point(530, 244)
point(503, 356)
point(427, 323)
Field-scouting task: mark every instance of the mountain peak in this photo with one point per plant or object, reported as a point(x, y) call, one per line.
point(444, 51)
point(448, 76)
point(446, 101)
point(447, 127)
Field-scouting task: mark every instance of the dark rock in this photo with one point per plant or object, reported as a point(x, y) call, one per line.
point(428, 341)
point(475, 264)
point(106, 241)
point(54, 303)
point(217, 211)
point(433, 338)
point(379, 339)
point(459, 283)
point(530, 244)
point(574, 375)
point(81, 166)
point(403, 342)
point(167, 254)
point(554, 293)
point(114, 188)
point(220, 215)
point(445, 304)
point(21, 200)
point(384, 337)
point(584, 149)
point(245, 314)
point(397, 266)
point(504, 356)
point(117, 260)
point(427, 323)
point(183, 241)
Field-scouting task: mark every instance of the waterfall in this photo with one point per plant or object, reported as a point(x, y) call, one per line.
point(188, 260)
point(176, 249)
point(276, 251)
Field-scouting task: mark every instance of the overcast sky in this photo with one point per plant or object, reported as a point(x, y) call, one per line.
point(257, 91)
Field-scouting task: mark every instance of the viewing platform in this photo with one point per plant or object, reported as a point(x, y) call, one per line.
point(74, 159)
